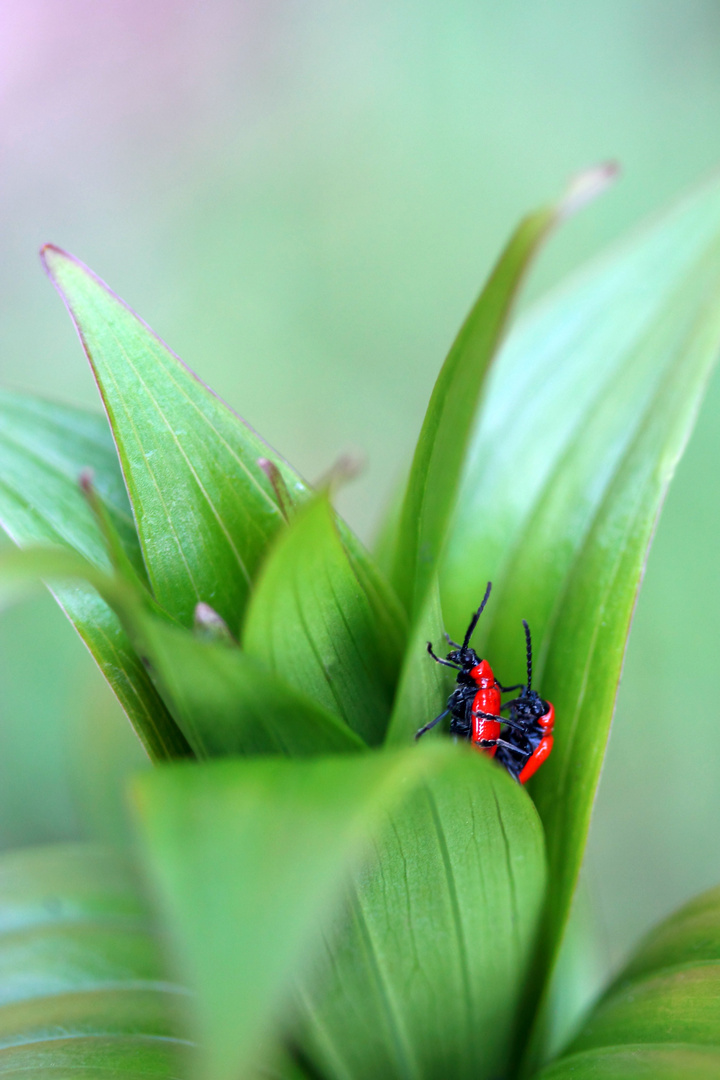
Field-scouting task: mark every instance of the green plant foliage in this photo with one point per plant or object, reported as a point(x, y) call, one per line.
point(425, 975)
point(204, 508)
point(226, 702)
point(248, 857)
point(44, 447)
point(442, 446)
point(314, 621)
point(638, 1063)
point(374, 912)
point(590, 407)
point(423, 686)
point(83, 992)
point(663, 1012)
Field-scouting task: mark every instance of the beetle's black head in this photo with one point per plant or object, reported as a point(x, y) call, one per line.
point(528, 707)
point(465, 657)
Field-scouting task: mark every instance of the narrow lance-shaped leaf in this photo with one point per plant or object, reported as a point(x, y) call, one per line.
point(317, 619)
point(205, 510)
point(661, 1017)
point(425, 974)
point(83, 990)
point(248, 858)
point(590, 407)
point(441, 448)
point(44, 447)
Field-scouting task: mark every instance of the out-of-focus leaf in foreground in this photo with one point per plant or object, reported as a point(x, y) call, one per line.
point(248, 857)
point(82, 987)
point(318, 621)
point(204, 508)
point(44, 447)
point(424, 975)
point(661, 1018)
point(588, 411)
point(442, 446)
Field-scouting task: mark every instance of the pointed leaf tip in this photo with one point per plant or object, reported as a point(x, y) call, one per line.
point(173, 434)
point(586, 186)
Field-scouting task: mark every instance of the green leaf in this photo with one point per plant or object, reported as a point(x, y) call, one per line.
point(425, 975)
point(248, 857)
point(590, 408)
point(424, 685)
point(44, 447)
point(663, 1011)
point(83, 992)
point(442, 446)
point(638, 1063)
point(317, 620)
point(226, 702)
point(205, 510)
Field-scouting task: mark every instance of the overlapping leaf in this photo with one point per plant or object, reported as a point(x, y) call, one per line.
point(44, 447)
point(318, 620)
point(226, 702)
point(83, 990)
point(204, 509)
point(589, 409)
point(661, 1018)
point(248, 857)
point(441, 448)
point(425, 975)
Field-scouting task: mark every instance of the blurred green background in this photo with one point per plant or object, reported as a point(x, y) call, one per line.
point(303, 199)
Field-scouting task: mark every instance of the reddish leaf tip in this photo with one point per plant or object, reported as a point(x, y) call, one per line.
point(49, 253)
point(586, 186)
point(85, 480)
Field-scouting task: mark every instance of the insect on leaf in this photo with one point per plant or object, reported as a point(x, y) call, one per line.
point(590, 407)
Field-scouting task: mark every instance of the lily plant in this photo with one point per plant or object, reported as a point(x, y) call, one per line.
point(313, 895)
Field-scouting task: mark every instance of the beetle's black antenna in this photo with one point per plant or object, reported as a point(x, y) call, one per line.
point(528, 652)
point(476, 616)
point(439, 660)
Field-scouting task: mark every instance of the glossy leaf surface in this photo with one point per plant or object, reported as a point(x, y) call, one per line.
point(205, 510)
point(441, 448)
point(317, 620)
point(83, 992)
point(424, 976)
point(44, 447)
point(663, 1011)
point(589, 408)
point(248, 857)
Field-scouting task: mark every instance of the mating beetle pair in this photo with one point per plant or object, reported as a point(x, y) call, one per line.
point(475, 706)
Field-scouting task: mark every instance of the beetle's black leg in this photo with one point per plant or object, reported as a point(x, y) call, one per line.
point(502, 719)
point(431, 724)
point(507, 689)
point(509, 746)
